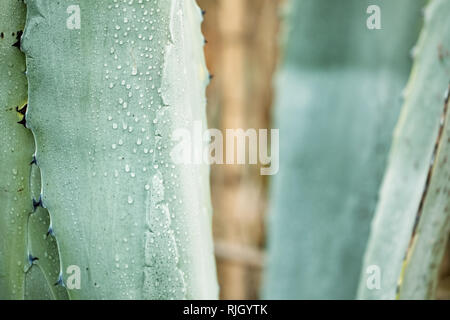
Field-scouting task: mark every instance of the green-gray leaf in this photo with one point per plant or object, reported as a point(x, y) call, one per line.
point(16, 150)
point(338, 98)
point(107, 90)
point(405, 180)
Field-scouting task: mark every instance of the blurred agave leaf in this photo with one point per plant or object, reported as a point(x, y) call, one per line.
point(106, 92)
point(412, 188)
point(338, 99)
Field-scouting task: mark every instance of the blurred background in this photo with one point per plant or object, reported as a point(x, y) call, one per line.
point(243, 50)
point(241, 53)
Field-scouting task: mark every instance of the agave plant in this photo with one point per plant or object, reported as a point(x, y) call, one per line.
point(412, 221)
point(338, 97)
point(347, 102)
point(93, 205)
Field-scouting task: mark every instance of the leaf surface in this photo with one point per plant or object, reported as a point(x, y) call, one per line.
point(338, 99)
point(106, 93)
point(405, 185)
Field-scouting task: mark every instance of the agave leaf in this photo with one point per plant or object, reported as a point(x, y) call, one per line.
point(20, 244)
point(43, 269)
point(338, 98)
point(405, 185)
point(36, 286)
point(429, 241)
point(16, 150)
point(106, 92)
point(43, 264)
point(43, 246)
